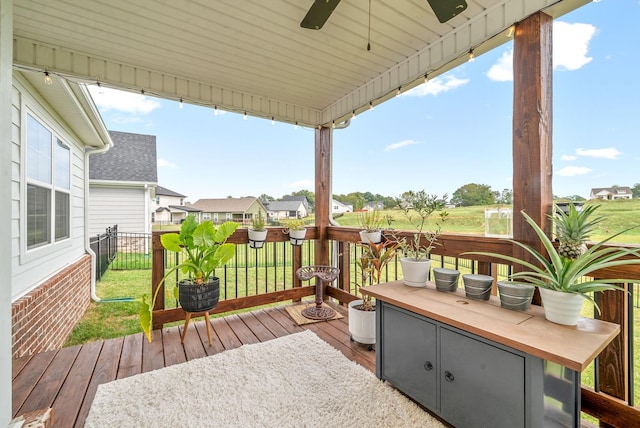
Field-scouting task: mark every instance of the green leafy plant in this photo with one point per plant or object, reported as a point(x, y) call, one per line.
point(564, 274)
point(204, 248)
point(370, 221)
point(294, 224)
point(374, 258)
point(417, 207)
point(258, 222)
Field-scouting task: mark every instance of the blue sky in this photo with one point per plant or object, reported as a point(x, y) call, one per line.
point(452, 131)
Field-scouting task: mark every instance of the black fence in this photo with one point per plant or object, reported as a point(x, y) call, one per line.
point(133, 251)
point(105, 246)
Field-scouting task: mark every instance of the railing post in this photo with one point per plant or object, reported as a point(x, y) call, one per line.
point(157, 272)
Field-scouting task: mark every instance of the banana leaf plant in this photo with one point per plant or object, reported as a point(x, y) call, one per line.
point(204, 249)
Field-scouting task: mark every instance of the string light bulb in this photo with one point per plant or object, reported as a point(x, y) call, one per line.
point(472, 56)
point(296, 126)
point(399, 91)
point(181, 103)
point(370, 105)
point(215, 110)
point(333, 125)
point(47, 78)
point(142, 93)
point(426, 77)
point(353, 114)
point(245, 116)
point(273, 122)
point(510, 31)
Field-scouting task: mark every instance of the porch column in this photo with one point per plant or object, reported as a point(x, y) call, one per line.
point(323, 145)
point(532, 129)
point(6, 61)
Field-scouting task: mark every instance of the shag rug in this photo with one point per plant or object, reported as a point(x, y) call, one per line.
point(293, 381)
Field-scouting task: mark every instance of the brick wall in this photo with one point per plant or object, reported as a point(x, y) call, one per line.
point(42, 319)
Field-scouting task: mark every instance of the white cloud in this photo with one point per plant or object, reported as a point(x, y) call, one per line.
point(571, 44)
point(163, 163)
point(502, 71)
point(572, 171)
point(570, 47)
point(396, 146)
point(302, 184)
point(569, 157)
point(435, 86)
point(127, 102)
point(608, 153)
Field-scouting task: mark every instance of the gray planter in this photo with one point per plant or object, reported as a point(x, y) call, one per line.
point(477, 286)
point(446, 279)
point(516, 296)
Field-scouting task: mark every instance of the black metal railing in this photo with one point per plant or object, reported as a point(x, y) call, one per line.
point(105, 248)
point(133, 251)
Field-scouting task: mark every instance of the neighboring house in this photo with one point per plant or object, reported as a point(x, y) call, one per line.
point(370, 206)
point(122, 183)
point(611, 193)
point(170, 207)
point(281, 210)
point(302, 199)
point(56, 129)
point(240, 210)
point(338, 207)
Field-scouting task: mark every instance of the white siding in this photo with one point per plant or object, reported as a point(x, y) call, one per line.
point(30, 268)
point(124, 206)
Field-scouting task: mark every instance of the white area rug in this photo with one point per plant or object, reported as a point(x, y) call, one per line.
point(293, 381)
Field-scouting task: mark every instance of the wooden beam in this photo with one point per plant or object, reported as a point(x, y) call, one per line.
point(532, 129)
point(323, 146)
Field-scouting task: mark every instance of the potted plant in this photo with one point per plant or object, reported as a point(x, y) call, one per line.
point(257, 232)
point(417, 207)
point(374, 258)
point(296, 231)
point(559, 276)
point(204, 248)
point(371, 223)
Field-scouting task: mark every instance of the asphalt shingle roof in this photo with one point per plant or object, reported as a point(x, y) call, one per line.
point(132, 158)
point(166, 192)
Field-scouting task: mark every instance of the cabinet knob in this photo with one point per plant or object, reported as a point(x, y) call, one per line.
point(428, 366)
point(448, 376)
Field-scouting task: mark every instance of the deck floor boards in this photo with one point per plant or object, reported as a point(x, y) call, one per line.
point(67, 379)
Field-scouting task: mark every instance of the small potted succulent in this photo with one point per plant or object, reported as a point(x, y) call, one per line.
point(257, 232)
point(562, 274)
point(371, 223)
point(417, 208)
point(296, 230)
point(204, 248)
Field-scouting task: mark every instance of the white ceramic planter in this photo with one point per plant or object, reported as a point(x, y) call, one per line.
point(296, 237)
point(362, 324)
point(257, 238)
point(415, 272)
point(373, 237)
point(561, 308)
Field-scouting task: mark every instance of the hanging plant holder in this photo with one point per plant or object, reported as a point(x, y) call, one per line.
point(296, 237)
point(257, 238)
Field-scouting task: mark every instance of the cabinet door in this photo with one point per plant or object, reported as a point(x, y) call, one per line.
point(481, 385)
point(408, 354)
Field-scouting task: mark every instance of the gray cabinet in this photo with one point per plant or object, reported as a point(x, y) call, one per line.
point(467, 380)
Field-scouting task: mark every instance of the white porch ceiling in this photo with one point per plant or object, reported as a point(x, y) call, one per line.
point(252, 55)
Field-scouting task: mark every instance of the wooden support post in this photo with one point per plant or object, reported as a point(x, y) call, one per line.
point(323, 156)
point(532, 130)
point(157, 272)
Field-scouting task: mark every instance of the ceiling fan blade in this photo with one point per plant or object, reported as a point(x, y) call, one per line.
point(447, 9)
point(318, 14)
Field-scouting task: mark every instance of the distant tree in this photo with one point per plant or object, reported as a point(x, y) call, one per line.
point(266, 198)
point(473, 194)
point(505, 197)
point(574, 198)
point(636, 190)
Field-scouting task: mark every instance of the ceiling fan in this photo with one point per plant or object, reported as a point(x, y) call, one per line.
point(320, 11)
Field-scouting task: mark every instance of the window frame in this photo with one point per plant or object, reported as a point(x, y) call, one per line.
point(55, 187)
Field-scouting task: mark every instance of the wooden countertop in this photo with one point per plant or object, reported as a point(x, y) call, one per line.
point(527, 331)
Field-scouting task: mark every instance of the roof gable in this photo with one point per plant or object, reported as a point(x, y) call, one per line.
point(163, 191)
point(224, 205)
point(131, 159)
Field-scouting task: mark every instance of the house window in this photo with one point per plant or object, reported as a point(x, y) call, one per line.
point(228, 216)
point(207, 216)
point(157, 200)
point(215, 217)
point(48, 186)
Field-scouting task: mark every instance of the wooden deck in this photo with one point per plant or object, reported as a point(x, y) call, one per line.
point(67, 379)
